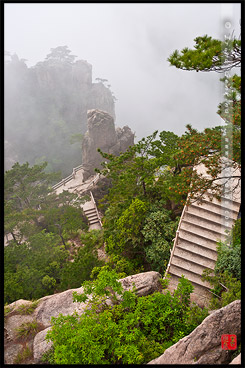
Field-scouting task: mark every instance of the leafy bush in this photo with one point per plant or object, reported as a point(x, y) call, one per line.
point(158, 231)
point(226, 280)
point(26, 265)
point(229, 253)
point(131, 330)
point(74, 273)
point(28, 329)
point(27, 308)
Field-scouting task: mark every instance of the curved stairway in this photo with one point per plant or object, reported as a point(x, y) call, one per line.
point(201, 226)
point(74, 183)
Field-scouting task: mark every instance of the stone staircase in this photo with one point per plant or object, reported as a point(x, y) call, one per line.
point(201, 226)
point(91, 212)
point(74, 183)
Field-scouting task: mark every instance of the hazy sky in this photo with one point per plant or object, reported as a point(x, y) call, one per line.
point(129, 44)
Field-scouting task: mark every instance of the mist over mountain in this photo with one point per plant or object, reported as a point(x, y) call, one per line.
point(46, 109)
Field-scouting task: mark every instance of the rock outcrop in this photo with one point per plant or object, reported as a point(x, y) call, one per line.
point(101, 133)
point(52, 305)
point(203, 345)
point(50, 102)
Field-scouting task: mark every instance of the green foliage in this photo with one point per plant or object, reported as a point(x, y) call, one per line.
point(208, 55)
point(158, 231)
point(28, 329)
point(225, 290)
point(24, 354)
point(60, 54)
point(227, 273)
point(27, 308)
point(138, 179)
point(133, 332)
point(229, 253)
point(7, 310)
point(48, 357)
point(74, 273)
point(39, 221)
point(27, 264)
point(230, 109)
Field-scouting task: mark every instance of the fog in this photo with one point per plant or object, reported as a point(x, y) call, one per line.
point(129, 44)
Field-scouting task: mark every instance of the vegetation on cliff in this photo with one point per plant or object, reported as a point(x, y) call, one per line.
point(133, 330)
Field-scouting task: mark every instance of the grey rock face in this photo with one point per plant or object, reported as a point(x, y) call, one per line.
point(102, 134)
point(203, 345)
point(41, 345)
point(53, 305)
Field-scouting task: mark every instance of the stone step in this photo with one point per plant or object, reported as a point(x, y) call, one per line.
point(178, 271)
point(202, 231)
point(197, 249)
point(90, 210)
point(188, 265)
point(197, 239)
point(194, 257)
point(212, 216)
point(219, 208)
point(206, 222)
point(91, 215)
point(95, 221)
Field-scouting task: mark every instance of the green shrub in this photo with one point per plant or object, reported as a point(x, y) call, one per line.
point(226, 280)
point(28, 329)
point(24, 354)
point(27, 308)
point(74, 273)
point(133, 330)
point(7, 310)
point(229, 253)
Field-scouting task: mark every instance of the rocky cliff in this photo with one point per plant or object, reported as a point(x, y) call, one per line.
point(47, 104)
point(101, 133)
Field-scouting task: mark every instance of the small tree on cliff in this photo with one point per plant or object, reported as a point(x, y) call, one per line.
point(61, 54)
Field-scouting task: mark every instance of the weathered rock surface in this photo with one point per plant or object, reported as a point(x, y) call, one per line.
point(40, 345)
point(102, 134)
point(203, 345)
point(236, 360)
point(52, 305)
